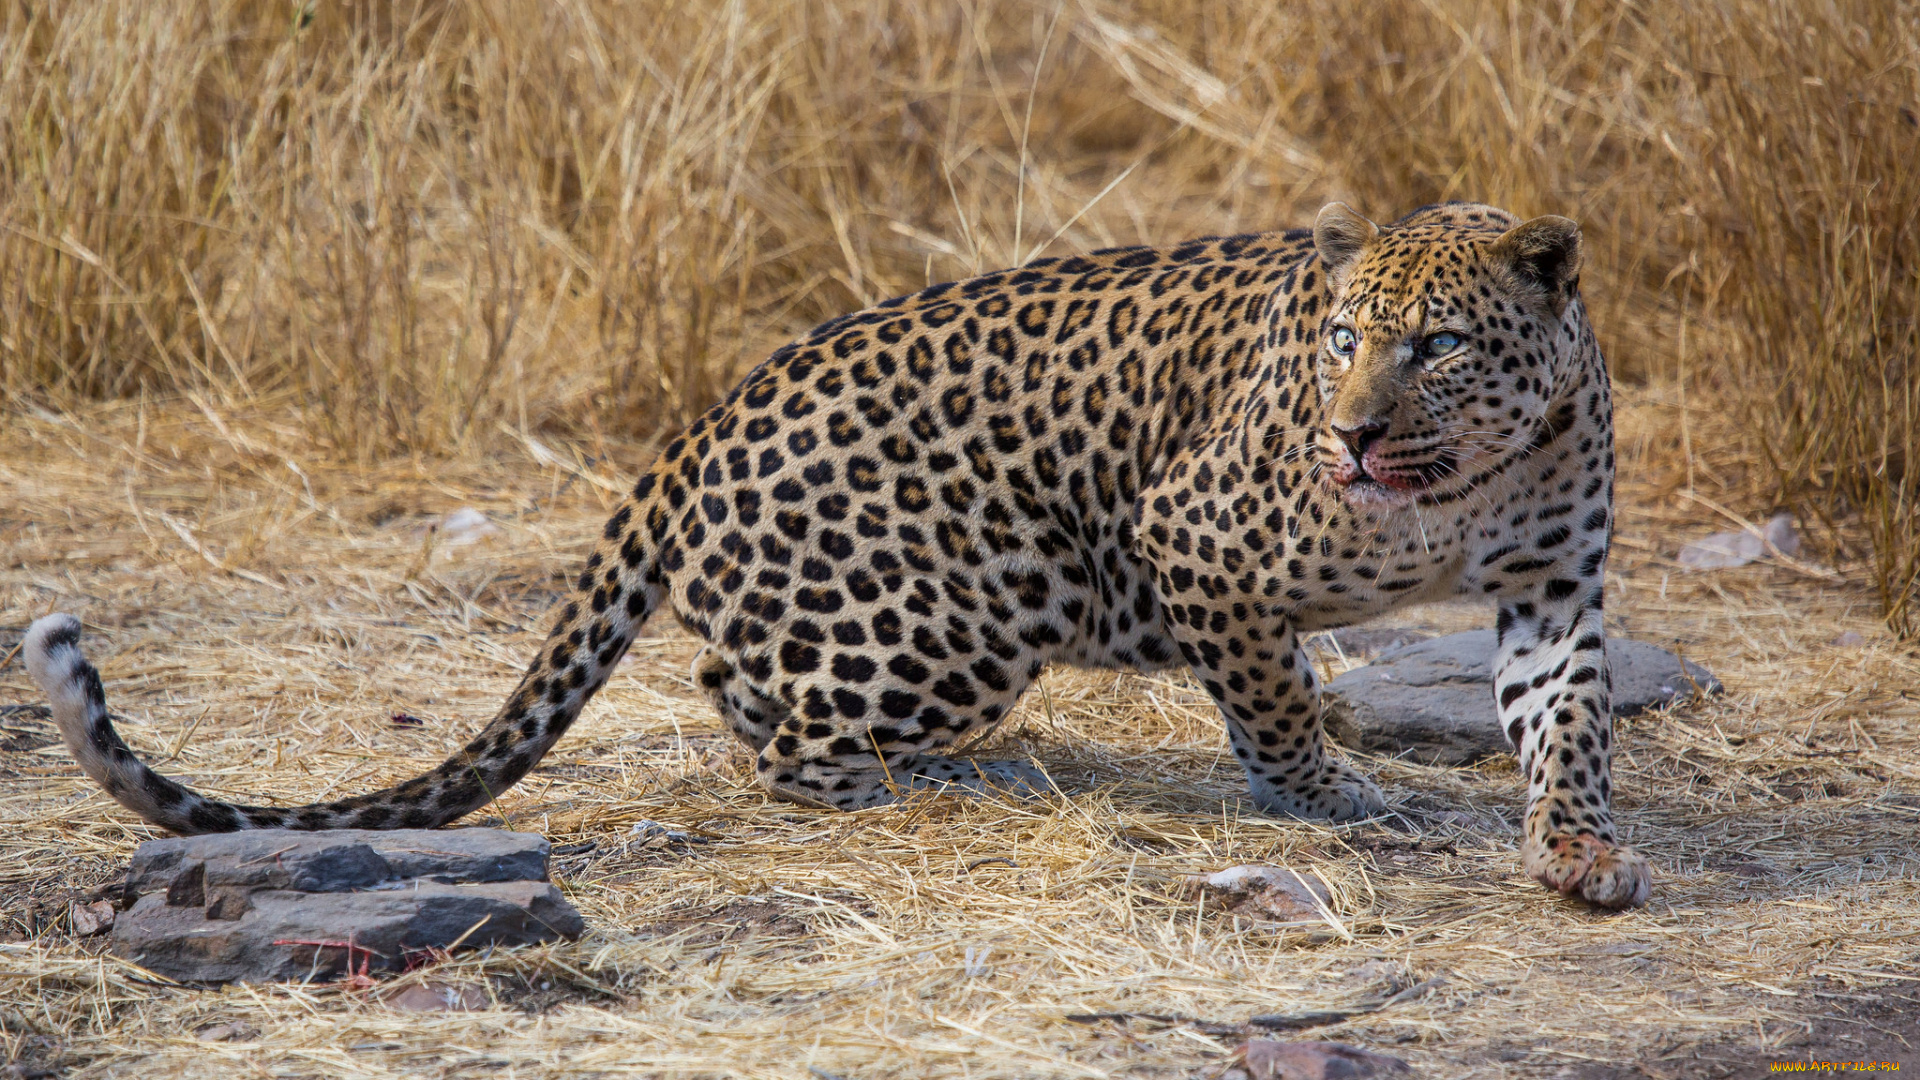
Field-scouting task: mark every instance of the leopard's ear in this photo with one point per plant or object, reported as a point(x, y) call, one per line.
point(1341, 234)
point(1542, 255)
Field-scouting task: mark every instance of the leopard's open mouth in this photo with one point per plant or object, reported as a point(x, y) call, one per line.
point(1371, 491)
point(1367, 482)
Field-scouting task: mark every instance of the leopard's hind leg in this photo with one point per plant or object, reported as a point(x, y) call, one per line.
point(849, 749)
point(752, 716)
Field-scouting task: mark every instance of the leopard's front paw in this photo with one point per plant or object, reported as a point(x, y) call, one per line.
point(1597, 871)
point(1338, 793)
point(967, 776)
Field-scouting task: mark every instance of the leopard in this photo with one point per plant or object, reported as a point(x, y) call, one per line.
point(1195, 454)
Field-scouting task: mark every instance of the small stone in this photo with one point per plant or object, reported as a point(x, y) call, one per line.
point(1433, 700)
point(91, 919)
point(436, 996)
point(464, 526)
point(1848, 639)
point(1264, 893)
point(1726, 550)
point(1269, 1060)
point(227, 1031)
point(652, 834)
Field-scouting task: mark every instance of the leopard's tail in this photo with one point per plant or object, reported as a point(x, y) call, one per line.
point(621, 586)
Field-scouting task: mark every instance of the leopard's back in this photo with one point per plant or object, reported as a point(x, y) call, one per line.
point(953, 474)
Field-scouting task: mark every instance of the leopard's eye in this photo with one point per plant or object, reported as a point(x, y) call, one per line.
point(1343, 341)
point(1440, 344)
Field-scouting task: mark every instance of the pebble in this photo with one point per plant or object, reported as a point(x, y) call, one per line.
point(1726, 550)
point(1264, 893)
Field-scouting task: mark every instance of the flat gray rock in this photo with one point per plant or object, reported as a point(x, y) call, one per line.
point(1433, 700)
point(341, 860)
point(278, 936)
point(276, 905)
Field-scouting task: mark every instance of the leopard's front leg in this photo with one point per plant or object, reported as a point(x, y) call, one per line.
point(1550, 680)
point(1263, 682)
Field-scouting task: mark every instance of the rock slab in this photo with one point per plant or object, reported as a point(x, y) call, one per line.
point(277, 906)
point(1433, 700)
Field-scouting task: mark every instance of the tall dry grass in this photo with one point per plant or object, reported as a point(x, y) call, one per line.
point(405, 225)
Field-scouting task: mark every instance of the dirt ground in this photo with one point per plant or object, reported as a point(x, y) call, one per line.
point(260, 616)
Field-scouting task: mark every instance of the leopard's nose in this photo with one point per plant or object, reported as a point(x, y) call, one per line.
point(1360, 436)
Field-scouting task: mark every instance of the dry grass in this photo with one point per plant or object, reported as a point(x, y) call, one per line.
point(399, 226)
point(1780, 817)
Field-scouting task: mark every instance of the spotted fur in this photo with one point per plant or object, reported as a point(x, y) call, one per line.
point(1136, 458)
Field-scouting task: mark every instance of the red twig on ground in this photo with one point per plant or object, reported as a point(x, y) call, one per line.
point(356, 980)
point(415, 959)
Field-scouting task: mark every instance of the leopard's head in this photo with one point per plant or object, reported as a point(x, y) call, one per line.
point(1448, 332)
